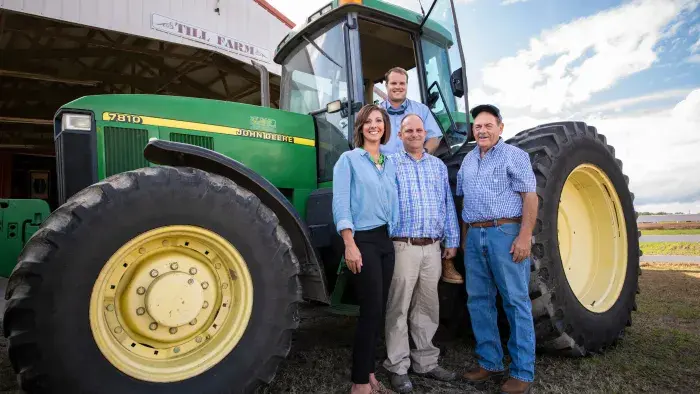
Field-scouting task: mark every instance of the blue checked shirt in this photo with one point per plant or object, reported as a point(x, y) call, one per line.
point(427, 208)
point(491, 185)
point(395, 145)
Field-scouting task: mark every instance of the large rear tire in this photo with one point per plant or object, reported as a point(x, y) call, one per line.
point(162, 279)
point(585, 250)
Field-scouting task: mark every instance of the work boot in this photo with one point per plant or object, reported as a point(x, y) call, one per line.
point(515, 386)
point(401, 383)
point(481, 375)
point(449, 272)
point(439, 373)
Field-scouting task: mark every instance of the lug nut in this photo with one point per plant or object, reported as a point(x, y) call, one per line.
point(224, 286)
point(110, 307)
point(141, 291)
point(190, 281)
point(205, 305)
point(173, 330)
point(205, 285)
point(153, 326)
point(193, 322)
point(173, 266)
point(154, 273)
point(165, 242)
point(176, 350)
point(118, 330)
point(217, 265)
point(142, 250)
point(198, 339)
point(140, 311)
point(193, 271)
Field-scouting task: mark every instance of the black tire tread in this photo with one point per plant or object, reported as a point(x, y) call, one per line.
point(29, 275)
point(544, 144)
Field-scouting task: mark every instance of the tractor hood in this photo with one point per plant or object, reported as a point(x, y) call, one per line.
point(113, 131)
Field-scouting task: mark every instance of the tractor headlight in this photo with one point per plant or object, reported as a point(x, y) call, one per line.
point(76, 122)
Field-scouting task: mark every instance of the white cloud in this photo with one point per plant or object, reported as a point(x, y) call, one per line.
point(509, 2)
point(693, 59)
point(298, 11)
point(659, 151)
point(621, 104)
point(565, 65)
point(695, 47)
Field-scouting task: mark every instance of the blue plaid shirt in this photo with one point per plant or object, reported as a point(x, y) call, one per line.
point(427, 208)
point(491, 185)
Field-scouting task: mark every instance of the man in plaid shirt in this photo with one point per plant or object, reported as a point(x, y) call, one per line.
point(499, 212)
point(427, 217)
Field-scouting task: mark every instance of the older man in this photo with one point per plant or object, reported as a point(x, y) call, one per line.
point(398, 106)
point(499, 211)
point(427, 216)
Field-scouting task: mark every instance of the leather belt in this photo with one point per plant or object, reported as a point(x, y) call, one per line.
point(416, 241)
point(495, 222)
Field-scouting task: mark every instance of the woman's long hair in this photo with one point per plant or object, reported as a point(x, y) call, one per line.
point(358, 139)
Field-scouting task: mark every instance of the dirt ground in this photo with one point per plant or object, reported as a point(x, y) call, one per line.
point(668, 225)
point(659, 353)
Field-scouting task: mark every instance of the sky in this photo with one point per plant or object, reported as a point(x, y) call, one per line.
point(629, 68)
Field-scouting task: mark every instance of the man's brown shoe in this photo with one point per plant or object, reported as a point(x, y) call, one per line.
point(515, 386)
point(481, 375)
point(449, 273)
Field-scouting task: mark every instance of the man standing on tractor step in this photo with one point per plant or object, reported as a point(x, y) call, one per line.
point(427, 216)
point(398, 106)
point(499, 212)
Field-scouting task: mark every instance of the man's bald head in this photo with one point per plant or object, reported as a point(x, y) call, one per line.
point(412, 133)
point(409, 116)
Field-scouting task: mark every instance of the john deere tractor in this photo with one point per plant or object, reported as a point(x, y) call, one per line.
point(190, 230)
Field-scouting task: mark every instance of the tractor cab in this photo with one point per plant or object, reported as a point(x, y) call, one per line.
point(336, 63)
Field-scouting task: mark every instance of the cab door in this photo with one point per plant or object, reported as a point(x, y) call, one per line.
point(442, 59)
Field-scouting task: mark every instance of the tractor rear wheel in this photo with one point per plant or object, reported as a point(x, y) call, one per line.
point(585, 250)
point(156, 280)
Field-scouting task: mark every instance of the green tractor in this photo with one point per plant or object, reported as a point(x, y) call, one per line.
point(190, 230)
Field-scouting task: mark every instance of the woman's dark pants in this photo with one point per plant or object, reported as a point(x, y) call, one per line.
point(372, 289)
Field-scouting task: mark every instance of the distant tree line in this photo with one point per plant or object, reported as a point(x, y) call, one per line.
point(662, 213)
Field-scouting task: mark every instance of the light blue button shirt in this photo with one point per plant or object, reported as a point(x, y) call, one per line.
point(491, 185)
point(364, 197)
point(431, 127)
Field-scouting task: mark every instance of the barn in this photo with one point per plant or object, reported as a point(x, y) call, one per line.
point(54, 51)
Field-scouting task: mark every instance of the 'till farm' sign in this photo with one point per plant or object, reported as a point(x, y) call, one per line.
point(208, 37)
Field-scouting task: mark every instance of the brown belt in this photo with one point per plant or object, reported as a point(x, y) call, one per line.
point(416, 241)
point(493, 223)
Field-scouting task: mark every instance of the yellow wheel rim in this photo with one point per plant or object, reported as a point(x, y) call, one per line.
point(592, 238)
point(171, 303)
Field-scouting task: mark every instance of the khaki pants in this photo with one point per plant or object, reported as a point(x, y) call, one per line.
point(413, 303)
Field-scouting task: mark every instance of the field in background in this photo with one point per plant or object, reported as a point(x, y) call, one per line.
point(669, 226)
point(689, 231)
point(671, 248)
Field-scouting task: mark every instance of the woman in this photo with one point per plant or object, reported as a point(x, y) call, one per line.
point(365, 211)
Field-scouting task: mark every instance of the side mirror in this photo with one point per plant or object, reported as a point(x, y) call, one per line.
point(333, 106)
point(456, 83)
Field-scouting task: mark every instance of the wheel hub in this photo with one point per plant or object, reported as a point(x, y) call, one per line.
point(592, 238)
point(171, 303)
point(174, 299)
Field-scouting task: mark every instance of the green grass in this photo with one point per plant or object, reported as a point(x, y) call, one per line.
point(688, 231)
point(671, 248)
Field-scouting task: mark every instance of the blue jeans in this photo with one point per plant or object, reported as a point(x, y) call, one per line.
point(489, 266)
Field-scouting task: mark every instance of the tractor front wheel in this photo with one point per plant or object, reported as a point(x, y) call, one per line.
point(155, 280)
